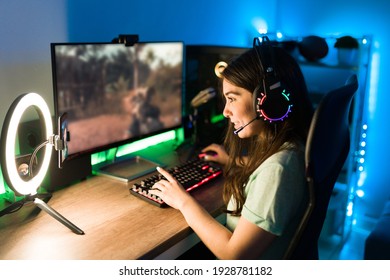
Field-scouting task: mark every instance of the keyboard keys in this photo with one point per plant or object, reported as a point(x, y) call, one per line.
point(191, 175)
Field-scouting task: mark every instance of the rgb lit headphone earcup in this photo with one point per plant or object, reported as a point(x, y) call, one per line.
point(272, 105)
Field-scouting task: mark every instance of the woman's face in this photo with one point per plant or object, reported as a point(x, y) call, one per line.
point(239, 109)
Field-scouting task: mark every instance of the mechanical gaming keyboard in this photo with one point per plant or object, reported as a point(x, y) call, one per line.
point(191, 175)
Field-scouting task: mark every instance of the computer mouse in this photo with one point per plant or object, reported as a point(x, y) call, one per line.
point(207, 153)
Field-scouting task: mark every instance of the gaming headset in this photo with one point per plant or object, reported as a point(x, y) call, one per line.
point(271, 98)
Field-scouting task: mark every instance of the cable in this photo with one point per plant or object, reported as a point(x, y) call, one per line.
point(33, 155)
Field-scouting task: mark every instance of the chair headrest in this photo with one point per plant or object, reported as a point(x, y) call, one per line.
point(328, 139)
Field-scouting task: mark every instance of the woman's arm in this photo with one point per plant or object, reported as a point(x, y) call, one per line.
point(247, 242)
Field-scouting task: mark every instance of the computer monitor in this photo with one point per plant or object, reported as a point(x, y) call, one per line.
point(115, 94)
point(202, 63)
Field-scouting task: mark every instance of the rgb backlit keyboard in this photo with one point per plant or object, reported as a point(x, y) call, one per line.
point(191, 175)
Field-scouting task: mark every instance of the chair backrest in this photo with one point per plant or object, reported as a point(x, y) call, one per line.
point(327, 148)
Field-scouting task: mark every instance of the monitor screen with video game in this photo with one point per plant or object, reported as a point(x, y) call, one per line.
point(115, 94)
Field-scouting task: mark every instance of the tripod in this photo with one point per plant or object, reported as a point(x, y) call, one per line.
point(37, 199)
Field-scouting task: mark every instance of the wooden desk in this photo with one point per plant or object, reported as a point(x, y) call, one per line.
point(117, 225)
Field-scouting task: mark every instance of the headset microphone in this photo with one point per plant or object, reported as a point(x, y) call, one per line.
point(238, 130)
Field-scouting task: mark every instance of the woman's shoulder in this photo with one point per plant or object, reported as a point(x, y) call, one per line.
point(289, 156)
point(287, 152)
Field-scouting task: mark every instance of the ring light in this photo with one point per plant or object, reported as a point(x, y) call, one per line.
point(29, 187)
point(20, 105)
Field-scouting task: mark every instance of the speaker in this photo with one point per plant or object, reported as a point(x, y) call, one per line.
point(271, 99)
point(72, 171)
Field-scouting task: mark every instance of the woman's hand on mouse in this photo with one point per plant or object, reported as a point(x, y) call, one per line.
point(216, 153)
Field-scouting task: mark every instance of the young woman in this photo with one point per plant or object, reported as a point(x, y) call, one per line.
point(265, 188)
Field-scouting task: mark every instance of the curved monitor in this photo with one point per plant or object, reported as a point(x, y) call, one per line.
point(114, 94)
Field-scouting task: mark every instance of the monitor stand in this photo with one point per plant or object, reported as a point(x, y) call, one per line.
point(128, 169)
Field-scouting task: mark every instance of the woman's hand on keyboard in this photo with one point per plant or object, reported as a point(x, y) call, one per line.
point(170, 190)
point(220, 155)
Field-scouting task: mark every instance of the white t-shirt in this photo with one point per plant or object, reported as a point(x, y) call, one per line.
point(276, 197)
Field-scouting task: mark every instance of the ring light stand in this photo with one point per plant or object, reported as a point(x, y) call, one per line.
point(28, 187)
